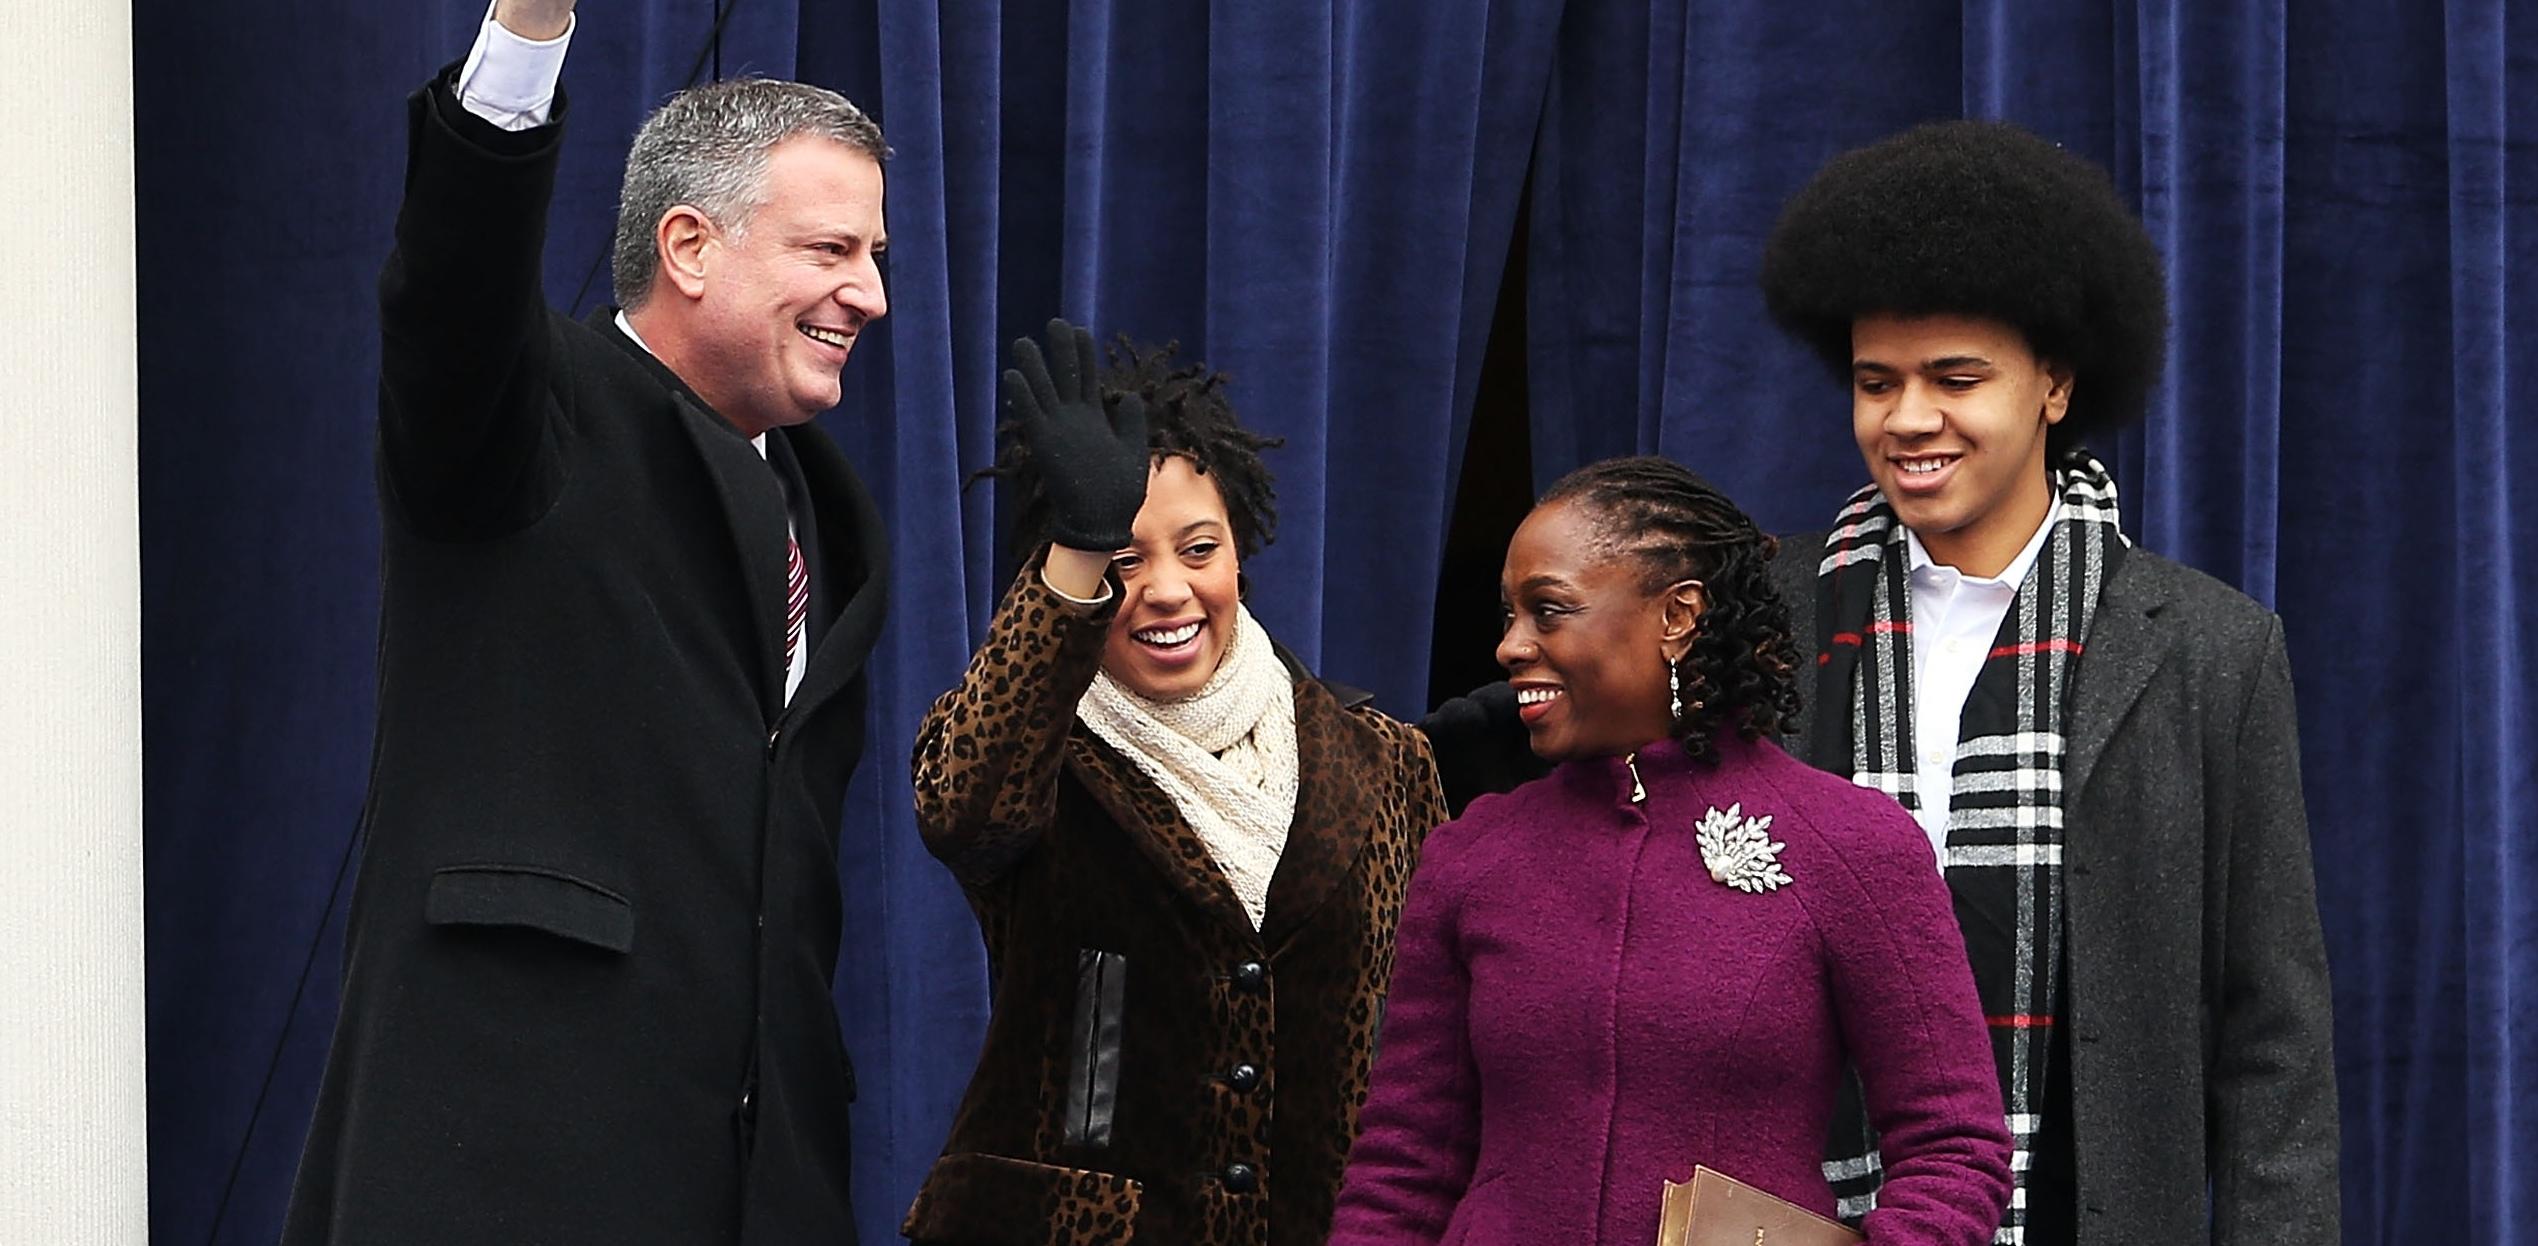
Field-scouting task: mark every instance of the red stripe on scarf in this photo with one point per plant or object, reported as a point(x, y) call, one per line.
point(2021, 1021)
point(1853, 638)
point(2054, 645)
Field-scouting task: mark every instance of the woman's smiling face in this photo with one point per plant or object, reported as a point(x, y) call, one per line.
point(1180, 584)
point(1585, 645)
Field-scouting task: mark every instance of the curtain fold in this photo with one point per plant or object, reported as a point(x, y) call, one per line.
point(2493, 224)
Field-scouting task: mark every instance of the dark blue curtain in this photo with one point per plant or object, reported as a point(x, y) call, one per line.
point(1320, 197)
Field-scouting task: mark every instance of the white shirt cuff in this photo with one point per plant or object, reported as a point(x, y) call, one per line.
point(510, 81)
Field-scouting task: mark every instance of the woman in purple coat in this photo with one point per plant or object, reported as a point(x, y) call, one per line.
point(1667, 951)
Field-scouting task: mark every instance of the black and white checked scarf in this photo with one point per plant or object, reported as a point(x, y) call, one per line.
point(2004, 847)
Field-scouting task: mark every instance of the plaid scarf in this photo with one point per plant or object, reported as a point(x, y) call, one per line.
point(2004, 847)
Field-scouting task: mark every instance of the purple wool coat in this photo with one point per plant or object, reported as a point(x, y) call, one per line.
point(1579, 1013)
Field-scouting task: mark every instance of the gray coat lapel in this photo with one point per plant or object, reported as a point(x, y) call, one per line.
point(2128, 640)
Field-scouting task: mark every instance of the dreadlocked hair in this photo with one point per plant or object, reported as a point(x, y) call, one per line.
point(1741, 671)
point(1187, 414)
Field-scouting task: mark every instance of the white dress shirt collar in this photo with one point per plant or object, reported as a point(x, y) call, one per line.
point(1919, 560)
point(625, 326)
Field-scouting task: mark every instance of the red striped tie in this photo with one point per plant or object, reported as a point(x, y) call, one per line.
point(797, 598)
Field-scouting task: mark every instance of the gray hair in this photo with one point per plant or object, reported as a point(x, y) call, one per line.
point(707, 148)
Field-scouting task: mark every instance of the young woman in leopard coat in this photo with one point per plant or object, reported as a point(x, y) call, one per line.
point(1186, 853)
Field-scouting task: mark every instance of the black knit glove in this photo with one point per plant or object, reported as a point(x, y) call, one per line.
point(1092, 465)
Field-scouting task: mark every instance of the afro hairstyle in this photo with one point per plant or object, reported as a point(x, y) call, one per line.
point(1983, 219)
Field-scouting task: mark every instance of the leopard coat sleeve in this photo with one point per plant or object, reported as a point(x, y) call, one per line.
point(988, 754)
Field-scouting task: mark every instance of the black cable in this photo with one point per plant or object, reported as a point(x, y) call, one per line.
point(713, 48)
point(273, 1064)
point(723, 9)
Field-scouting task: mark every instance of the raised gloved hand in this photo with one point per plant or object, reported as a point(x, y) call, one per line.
point(1092, 464)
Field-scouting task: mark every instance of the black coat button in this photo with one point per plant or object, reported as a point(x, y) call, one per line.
point(1244, 1076)
point(1242, 1178)
point(1251, 975)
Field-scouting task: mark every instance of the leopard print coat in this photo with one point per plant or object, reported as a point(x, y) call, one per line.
point(1155, 1070)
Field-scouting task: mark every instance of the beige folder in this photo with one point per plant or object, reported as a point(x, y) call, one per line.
point(1718, 1210)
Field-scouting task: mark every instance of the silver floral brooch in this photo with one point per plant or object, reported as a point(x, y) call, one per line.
point(1740, 850)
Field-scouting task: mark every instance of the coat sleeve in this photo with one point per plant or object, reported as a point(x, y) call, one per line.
point(1914, 1029)
point(1420, 1130)
point(988, 753)
point(467, 405)
point(2270, 1096)
point(1480, 745)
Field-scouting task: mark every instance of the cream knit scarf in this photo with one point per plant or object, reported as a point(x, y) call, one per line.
point(1226, 755)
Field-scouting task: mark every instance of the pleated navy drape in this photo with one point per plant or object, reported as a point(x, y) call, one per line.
point(1320, 197)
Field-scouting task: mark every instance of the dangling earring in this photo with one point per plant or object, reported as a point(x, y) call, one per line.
point(1674, 691)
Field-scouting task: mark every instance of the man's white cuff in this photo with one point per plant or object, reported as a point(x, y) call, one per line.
point(510, 81)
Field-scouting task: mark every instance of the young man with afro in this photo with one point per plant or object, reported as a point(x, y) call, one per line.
point(2099, 742)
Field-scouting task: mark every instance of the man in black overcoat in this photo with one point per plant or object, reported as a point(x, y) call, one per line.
point(629, 591)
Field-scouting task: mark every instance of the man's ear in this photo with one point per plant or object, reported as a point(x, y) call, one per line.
point(1682, 604)
point(681, 240)
point(2057, 401)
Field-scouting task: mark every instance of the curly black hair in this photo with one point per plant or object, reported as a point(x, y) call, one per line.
point(1187, 414)
point(1979, 218)
point(1741, 672)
